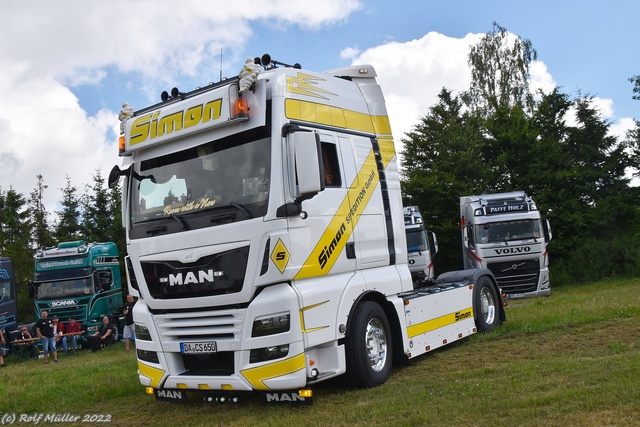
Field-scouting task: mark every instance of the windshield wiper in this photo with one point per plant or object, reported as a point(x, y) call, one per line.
point(242, 209)
point(157, 229)
point(220, 217)
point(183, 223)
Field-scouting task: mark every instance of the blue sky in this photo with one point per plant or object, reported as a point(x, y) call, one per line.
point(68, 65)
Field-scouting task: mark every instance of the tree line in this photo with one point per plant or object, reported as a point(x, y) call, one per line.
point(92, 215)
point(498, 136)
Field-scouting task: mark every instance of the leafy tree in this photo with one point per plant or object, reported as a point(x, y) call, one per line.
point(14, 218)
point(497, 137)
point(116, 231)
point(97, 215)
point(500, 71)
point(38, 213)
point(636, 86)
point(16, 239)
point(69, 218)
point(442, 159)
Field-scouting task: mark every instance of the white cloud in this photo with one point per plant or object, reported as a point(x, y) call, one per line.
point(620, 127)
point(413, 73)
point(540, 79)
point(49, 47)
point(349, 53)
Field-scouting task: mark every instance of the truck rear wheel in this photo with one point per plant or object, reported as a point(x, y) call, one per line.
point(368, 346)
point(485, 305)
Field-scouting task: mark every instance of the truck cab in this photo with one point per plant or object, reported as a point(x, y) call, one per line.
point(420, 249)
point(505, 233)
point(80, 280)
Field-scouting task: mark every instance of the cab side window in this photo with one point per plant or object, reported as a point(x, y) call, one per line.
point(332, 176)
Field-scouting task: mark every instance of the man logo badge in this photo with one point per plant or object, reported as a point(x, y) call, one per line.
point(192, 277)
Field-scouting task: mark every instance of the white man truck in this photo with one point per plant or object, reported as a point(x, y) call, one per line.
point(419, 247)
point(505, 233)
point(266, 242)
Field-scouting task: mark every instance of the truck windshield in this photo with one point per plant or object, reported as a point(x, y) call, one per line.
point(417, 240)
point(509, 230)
point(65, 288)
point(232, 173)
point(5, 291)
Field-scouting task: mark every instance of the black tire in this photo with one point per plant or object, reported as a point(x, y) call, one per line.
point(368, 347)
point(116, 328)
point(485, 305)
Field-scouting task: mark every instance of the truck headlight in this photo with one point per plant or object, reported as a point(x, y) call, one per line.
point(147, 356)
point(268, 353)
point(142, 332)
point(271, 324)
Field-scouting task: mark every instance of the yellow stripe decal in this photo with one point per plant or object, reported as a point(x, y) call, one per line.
point(154, 374)
point(257, 376)
point(387, 149)
point(335, 236)
point(302, 323)
point(438, 322)
point(323, 114)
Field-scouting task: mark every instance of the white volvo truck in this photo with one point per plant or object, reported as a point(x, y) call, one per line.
point(505, 233)
point(266, 241)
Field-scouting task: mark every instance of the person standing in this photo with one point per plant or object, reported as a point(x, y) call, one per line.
point(44, 330)
point(128, 331)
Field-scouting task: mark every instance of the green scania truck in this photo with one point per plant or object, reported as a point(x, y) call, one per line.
point(80, 280)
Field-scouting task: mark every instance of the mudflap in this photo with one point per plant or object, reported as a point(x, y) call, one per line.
point(294, 397)
point(169, 395)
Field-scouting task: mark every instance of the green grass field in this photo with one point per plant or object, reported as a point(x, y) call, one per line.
point(572, 359)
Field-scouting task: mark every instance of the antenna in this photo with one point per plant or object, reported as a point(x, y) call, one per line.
point(220, 64)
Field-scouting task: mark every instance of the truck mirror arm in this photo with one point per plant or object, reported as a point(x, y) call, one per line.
point(289, 209)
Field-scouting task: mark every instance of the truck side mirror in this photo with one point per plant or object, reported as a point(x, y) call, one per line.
point(468, 232)
point(114, 176)
point(32, 290)
point(309, 167)
point(547, 230)
point(434, 243)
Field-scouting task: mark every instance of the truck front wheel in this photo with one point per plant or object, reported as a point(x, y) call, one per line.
point(485, 305)
point(368, 346)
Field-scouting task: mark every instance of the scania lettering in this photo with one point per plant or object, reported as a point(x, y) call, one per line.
point(505, 233)
point(80, 280)
point(8, 298)
point(420, 249)
point(267, 247)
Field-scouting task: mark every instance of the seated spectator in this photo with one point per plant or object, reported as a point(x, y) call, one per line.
point(103, 336)
point(58, 330)
point(72, 327)
point(2, 345)
point(25, 335)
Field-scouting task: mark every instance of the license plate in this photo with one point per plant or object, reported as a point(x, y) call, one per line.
point(198, 347)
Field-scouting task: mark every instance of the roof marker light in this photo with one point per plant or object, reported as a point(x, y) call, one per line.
point(121, 145)
point(241, 108)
